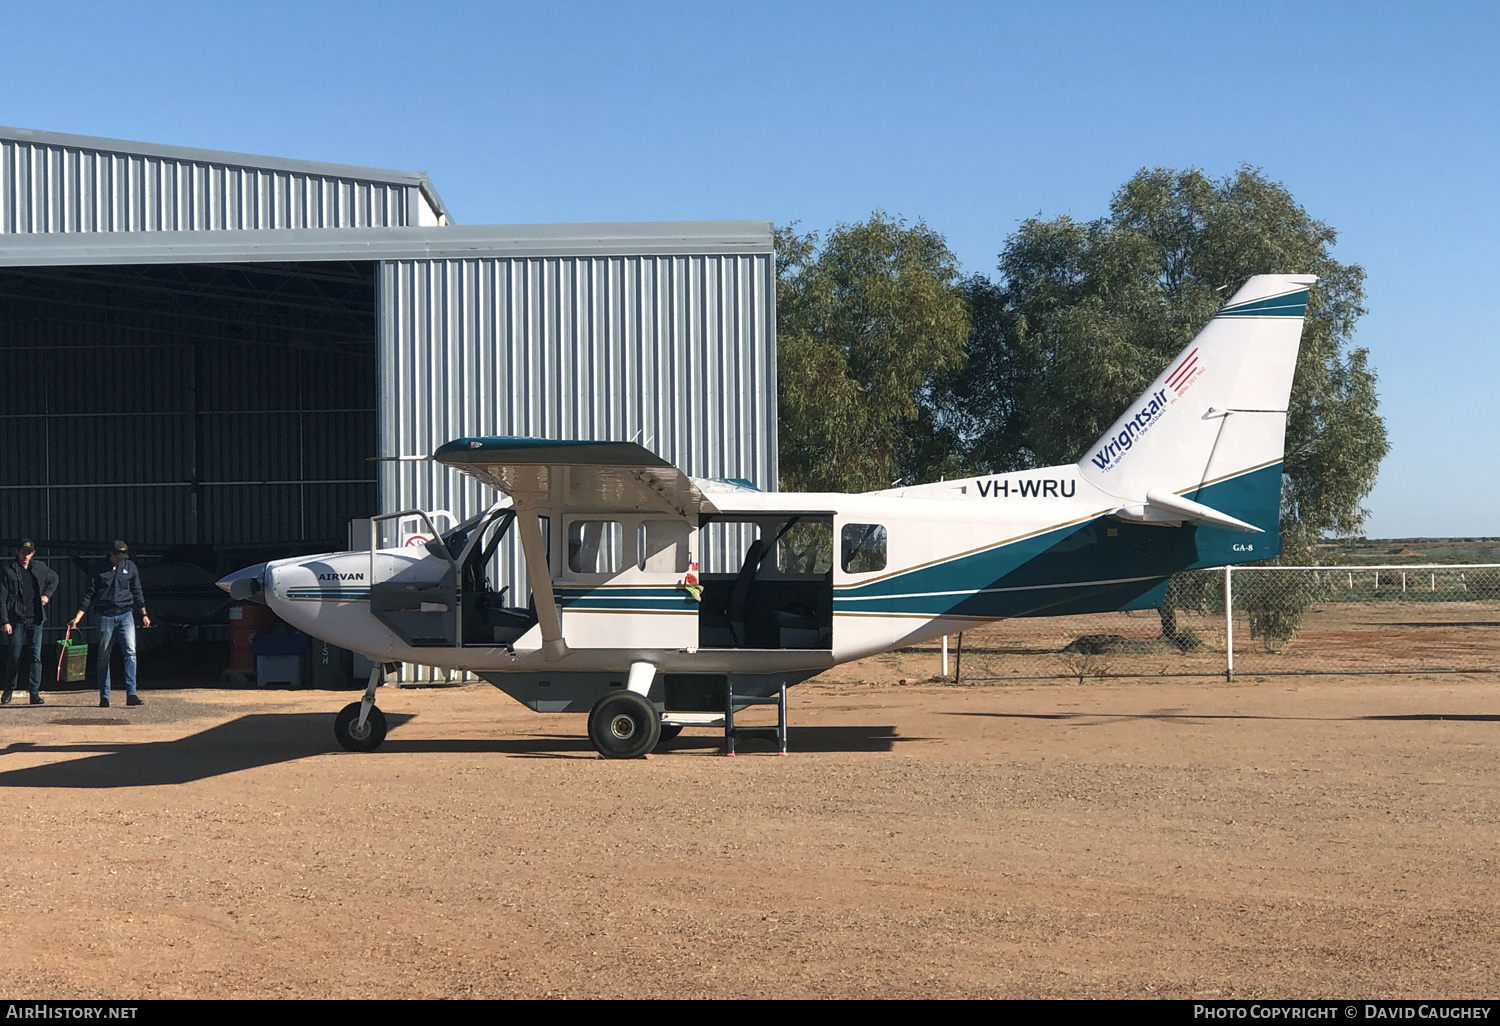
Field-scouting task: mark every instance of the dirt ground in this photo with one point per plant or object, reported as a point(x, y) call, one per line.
point(1295, 837)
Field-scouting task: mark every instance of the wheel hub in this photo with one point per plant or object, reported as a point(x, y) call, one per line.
point(622, 727)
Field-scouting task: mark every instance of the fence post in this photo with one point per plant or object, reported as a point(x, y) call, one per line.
point(1228, 625)
point(945, 655)
point(958, 664)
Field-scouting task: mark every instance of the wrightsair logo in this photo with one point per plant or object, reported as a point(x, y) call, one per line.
point(1107, 457)
point(1179, 380)
point(1185, 373)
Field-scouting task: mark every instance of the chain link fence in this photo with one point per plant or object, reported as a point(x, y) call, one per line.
point(1425, 618)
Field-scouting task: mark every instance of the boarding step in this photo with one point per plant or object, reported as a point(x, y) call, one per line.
point(692, 719)
point(731, 731)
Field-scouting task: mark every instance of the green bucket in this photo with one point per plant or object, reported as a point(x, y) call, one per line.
point(72, 661)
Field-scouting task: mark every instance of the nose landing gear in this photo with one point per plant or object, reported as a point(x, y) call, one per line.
point(354, 736)
point(360, 726)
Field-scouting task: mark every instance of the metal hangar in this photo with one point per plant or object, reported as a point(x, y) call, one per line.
point(204, 352)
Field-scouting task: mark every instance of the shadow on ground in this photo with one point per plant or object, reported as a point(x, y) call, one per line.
point(799, 739)
point(264, 739)
point(1176, 714)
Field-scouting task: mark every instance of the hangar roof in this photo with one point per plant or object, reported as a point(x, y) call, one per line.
point(192, 154)
point(449, 242)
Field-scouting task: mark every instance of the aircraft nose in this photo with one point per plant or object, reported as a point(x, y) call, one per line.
point(247, 584)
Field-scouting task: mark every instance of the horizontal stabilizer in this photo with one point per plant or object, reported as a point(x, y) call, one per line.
point(1164, 507)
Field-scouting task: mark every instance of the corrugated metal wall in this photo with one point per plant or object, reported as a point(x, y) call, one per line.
point(46, 187)
point(675, 352)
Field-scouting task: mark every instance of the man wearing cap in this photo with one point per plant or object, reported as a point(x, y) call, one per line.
point(114, 593)
point(26, 586)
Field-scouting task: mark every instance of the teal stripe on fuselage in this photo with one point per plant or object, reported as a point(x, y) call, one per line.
point(329, 594)
point(629, 606)
point(646, 599)
point(639, 591)
point(1082, 568)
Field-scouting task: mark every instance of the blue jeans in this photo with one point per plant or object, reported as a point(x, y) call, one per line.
point(25, 640)
point(123, 625)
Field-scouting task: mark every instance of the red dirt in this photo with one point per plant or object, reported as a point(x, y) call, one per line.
point(1293, 837)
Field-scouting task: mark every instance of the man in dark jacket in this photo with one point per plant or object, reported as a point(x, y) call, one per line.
point(114, 593)
point(26, 586)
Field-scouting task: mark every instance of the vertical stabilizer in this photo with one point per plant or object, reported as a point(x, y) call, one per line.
point(1217, 413)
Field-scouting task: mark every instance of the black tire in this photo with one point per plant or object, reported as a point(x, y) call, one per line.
point(669, 732)
point(623, 725)
point(364, 741)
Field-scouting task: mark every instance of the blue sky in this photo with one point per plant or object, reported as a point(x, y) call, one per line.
point(1382, 119)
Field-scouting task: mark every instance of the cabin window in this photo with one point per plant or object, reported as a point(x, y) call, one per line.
point(596, 546)
point(662, 546)
point(864, 548)
point(723, 545)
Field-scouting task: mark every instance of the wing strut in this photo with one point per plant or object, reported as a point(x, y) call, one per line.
point(553, 645)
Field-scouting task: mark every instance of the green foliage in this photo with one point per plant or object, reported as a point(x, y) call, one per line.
point(1276, 602)
point(1354, 551)
point(866, 319)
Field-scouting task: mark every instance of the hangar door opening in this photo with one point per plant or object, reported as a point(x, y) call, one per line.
point(212, 415)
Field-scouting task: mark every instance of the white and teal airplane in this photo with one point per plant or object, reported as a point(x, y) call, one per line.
point(622, 623)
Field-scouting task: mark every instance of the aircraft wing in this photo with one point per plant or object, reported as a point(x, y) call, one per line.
point(580, 476)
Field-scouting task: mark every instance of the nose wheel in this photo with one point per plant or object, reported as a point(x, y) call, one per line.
point(354, 736)
point(359, 726)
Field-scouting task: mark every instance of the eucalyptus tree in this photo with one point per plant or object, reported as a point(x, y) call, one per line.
point(867, 318)
point(1086, 313)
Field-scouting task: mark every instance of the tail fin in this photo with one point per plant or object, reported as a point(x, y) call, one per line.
point(1212, 426)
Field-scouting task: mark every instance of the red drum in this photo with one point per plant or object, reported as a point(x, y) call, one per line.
point(246, 621)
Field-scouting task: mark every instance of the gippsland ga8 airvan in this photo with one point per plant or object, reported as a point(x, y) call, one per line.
point(658, 601)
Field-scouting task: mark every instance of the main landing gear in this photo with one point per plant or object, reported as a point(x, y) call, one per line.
point(624, 725)
point(360, 726)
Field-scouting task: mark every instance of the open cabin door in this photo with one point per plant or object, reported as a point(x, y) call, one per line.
point(414, 589)
point(767, 581)
point(491, 614)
